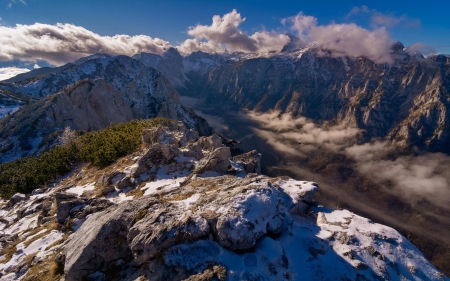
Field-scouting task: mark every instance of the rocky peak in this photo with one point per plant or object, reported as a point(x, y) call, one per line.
point(90, 96)
point(170, 211)
point(397, 47)
point(170, 64)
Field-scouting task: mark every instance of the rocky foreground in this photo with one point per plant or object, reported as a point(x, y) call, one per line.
point(182, 208)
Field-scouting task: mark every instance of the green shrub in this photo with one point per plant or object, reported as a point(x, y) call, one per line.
point(100, 148)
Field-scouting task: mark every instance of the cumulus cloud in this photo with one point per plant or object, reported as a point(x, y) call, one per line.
point(193, 45)
point(8, 72)
point(225, 31)
point(343, 39)
point(62, 43)
point(420, 48)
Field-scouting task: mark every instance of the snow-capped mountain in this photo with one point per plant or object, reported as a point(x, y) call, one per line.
point(183, 209)
point(89, 95)
point(405, 102)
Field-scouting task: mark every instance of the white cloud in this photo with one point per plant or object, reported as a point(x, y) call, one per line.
point(304, 131)
point(225, 31)
point(386, 20)
point(10, 4)
point(62, 43)
point(344, 39)
point(194, 45)
point(411, 177)
point(378, 18)
point(420, 48)
point(8, 72)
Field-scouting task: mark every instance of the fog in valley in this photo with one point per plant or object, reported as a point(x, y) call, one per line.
point(407, 190)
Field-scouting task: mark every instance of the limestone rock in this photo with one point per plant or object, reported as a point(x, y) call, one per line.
point(153, 135)
point(15, 199)
point(124, 183)
point(210, 143)
point(217, 160)
point(101, 240)
point(158, 154)
point(158, 231)
point(250, 161)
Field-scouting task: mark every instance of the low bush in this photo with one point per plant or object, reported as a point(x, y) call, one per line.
point(100, 148)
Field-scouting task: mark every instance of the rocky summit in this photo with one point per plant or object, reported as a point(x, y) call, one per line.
point(182, 208)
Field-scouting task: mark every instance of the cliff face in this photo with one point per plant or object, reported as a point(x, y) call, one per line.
point(117, 89)
point(406, 103)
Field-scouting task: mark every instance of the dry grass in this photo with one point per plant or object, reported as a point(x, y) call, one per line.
point(90, 174)
point(136, 192)
point(140, 215)
point(8, 252)
point(46, 270)
point(207, 184)
point(178, 197)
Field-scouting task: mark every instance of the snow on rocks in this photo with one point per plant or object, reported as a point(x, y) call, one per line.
point(182, 209)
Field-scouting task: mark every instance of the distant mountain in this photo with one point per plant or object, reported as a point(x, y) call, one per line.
point(406, 102)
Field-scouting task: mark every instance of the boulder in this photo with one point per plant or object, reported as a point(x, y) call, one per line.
point(250, 161)
point(16, 198)
point(191, 135)
point(102, 239)
point(109, 179)
point(108, 189)
point(125, 182)
point(160, 230)
point(65, 207)
point(153, 135)
point(210, 143)
point(194, 150)
point(243, 222)
point(157, 154)
point(217, 160)
point(63, 196)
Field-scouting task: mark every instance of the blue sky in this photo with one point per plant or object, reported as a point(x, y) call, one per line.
point(407, 21)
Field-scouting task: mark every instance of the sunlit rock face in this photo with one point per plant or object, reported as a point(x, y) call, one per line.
point(89, 95)
point(405, 102)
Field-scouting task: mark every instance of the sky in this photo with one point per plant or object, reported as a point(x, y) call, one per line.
point(35, 33)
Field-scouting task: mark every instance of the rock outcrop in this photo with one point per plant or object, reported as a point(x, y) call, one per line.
point(183, 218)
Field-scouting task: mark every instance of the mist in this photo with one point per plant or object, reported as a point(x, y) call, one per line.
point(410, 177)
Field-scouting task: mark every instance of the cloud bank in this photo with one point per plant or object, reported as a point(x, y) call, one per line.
point(8, 72)
point(412, 178)
point(343, 39)
point(62, 43)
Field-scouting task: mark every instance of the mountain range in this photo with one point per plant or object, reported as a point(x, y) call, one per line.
point(403, 104)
